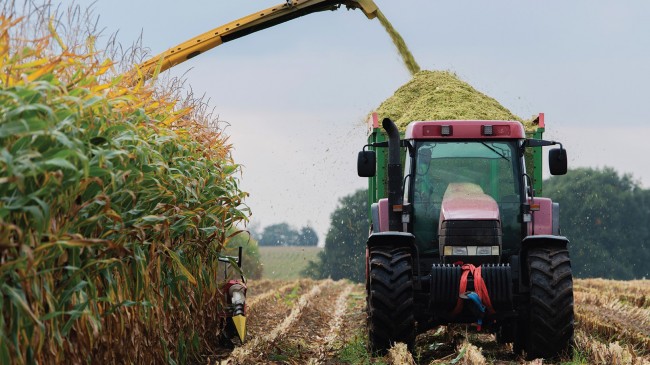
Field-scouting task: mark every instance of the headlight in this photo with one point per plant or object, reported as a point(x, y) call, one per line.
point(459, 251)
point(471, 251)
point(484, 250)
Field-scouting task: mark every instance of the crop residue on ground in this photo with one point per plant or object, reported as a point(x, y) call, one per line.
point(327, 325)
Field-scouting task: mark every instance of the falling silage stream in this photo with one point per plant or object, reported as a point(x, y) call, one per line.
point(400, 44)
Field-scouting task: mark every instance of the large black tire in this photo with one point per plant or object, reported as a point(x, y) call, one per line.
point(549, 327)
point(390, 299)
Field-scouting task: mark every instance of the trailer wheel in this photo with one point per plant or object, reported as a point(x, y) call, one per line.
point(390, 299)
point(550, 322)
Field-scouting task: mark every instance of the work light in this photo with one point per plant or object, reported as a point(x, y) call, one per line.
point(487, 130)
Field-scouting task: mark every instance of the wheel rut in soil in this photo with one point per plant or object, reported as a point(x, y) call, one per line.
point(272, 318)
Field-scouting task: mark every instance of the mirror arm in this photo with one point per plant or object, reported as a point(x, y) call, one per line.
point(402, 143)
point(538, 143)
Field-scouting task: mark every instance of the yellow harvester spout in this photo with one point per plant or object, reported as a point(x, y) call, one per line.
point(252, 23)
point(240, 325)
point(368, 7)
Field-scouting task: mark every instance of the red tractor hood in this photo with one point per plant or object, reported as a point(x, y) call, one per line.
point(466, 201)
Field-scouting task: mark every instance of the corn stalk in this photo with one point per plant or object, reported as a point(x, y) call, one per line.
point(115, 202)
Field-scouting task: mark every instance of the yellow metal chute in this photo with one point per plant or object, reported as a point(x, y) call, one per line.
point(260, 20)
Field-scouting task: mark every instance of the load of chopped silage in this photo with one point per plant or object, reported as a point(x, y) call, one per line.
point(441, 95)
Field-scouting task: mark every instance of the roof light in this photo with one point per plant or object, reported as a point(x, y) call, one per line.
point(445, 130)
point(487, 130)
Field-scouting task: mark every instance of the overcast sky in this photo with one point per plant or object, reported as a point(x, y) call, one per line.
point(296, 95)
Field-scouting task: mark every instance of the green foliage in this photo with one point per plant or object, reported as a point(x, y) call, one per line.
point(308, 237)
point(606, 218)
point(282, 234)
point(345, 244)
point(252, 264)
point(355, 351)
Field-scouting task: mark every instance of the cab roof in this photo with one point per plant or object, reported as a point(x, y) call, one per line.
point(465, 129)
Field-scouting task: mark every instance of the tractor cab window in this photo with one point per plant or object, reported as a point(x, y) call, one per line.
point(489, 166)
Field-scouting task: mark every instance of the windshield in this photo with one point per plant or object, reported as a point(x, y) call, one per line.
point(492, 166)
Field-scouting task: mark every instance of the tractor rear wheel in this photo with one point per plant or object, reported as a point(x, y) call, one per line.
point(390, 298)
point(549, 328)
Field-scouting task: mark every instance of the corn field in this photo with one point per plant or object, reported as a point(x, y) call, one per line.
point(115, 200)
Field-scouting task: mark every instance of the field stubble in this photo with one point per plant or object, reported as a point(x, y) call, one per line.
point(323, 322)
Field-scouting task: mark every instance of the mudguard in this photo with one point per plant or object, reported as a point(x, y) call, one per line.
point(559, 242)
point(391, 239)
point(546, 240)
point(396, 239)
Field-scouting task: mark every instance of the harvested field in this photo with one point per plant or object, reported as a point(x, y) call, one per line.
point(323, 322)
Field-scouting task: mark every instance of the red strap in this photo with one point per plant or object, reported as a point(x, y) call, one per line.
point(481, 290)
point(463, 287)
point(479, 287)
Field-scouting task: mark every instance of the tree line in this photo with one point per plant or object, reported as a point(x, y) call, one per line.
point(282, 234)
point(606, 216)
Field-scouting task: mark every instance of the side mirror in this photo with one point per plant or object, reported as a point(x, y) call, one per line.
point(557, 161)
point(367, 164)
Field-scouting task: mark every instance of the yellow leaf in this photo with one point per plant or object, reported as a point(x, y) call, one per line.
point(100, 87)
point(35, 63)
point(41, 71)
point(169, 121)
point(179, 265)
point(76, 242)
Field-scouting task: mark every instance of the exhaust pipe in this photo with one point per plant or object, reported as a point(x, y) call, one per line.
point(395, 195)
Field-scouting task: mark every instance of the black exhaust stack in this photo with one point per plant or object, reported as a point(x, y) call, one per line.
point(395, 195)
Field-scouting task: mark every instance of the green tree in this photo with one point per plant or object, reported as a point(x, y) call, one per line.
point(605, 216)
point(345, 244)
point(307, 237)
point(280, 234)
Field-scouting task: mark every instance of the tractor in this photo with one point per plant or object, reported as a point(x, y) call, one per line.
point(458, 235)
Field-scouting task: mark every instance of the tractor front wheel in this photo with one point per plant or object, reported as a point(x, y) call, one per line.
point(390, 298)
point(549, 327)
